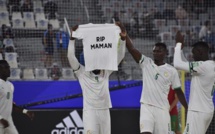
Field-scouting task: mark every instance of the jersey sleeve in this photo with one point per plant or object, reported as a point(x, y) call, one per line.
point(79, 71)
point(79, 34)
point(176, 84)
point(144, 60)
point(179, 60)
point(198, 67)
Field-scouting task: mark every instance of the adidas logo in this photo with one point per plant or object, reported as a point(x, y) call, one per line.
point(71, 124)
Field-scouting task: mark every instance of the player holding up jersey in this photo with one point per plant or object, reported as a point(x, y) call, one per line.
point(157, 78)
point(201, 107)
point(95, 89)
point(6, 101)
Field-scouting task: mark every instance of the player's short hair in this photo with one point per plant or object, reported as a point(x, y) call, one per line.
point(3, 63)
point(160, 44)
point(201, 45)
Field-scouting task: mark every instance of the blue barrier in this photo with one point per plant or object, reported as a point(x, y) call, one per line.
point(34, 91)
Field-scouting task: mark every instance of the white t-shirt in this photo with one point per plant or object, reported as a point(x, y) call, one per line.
point(100, 45)
point(157, 81)
point(202, 86)
point(6, 99)
point(95, 89)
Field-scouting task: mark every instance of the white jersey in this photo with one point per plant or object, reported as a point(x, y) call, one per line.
point(202, 83)
point(100, 45)
point(6, 99)
point(202, 86)
point(157, 81)
point(95, 89)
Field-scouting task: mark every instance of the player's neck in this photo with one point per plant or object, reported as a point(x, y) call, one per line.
point(96, 72)
point(159, 63)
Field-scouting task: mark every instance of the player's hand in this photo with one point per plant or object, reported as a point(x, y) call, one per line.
point(123, 33)
point(73, 29)
point(4, 123)
point(30, 114)
point(179, 38)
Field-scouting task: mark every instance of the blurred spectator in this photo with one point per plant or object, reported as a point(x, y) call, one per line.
point(115, 17)
point(55, 72)
point(134, 22)
point(124, 19)
point(62, 39)
point(14, 5)
point(189, 5)
point(49, 45)
point(180, 13)
point(204, 30)
point(148, 23)
point(121, 72)
point(6, 32)
point(50, 9)
point(27, 6)
point(189, 38)
point(14, 2)
point(168, 12)
point(200, 6)
point(155, 13)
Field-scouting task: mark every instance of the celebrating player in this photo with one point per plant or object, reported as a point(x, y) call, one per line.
point(157, 78)
point(201, 107)
point(95, 88)
point(6, 101)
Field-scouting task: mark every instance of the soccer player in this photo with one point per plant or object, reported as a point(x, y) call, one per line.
point(201, 107)
point(95, 89)
point(157, 78)
point(6, 101)
point(173, 100)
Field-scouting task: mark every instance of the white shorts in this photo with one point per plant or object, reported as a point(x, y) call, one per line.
point(97, 121)
point(11, 129)
point(197, 122)
point(154, 120)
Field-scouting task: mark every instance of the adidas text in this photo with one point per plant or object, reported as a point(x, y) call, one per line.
point(68, 131)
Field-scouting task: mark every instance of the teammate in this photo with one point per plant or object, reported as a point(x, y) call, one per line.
point(94, 84)
point(157, 78)
point(6, 101)
point(201, 107)
point(173, 100)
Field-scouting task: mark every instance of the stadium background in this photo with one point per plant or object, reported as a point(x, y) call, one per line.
point(147, 22)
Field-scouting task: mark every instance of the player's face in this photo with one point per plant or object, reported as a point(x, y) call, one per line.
point(159, 53)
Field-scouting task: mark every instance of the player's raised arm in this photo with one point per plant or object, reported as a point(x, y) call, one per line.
point(71, 52)
point(179, 60)
point(132, 50)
